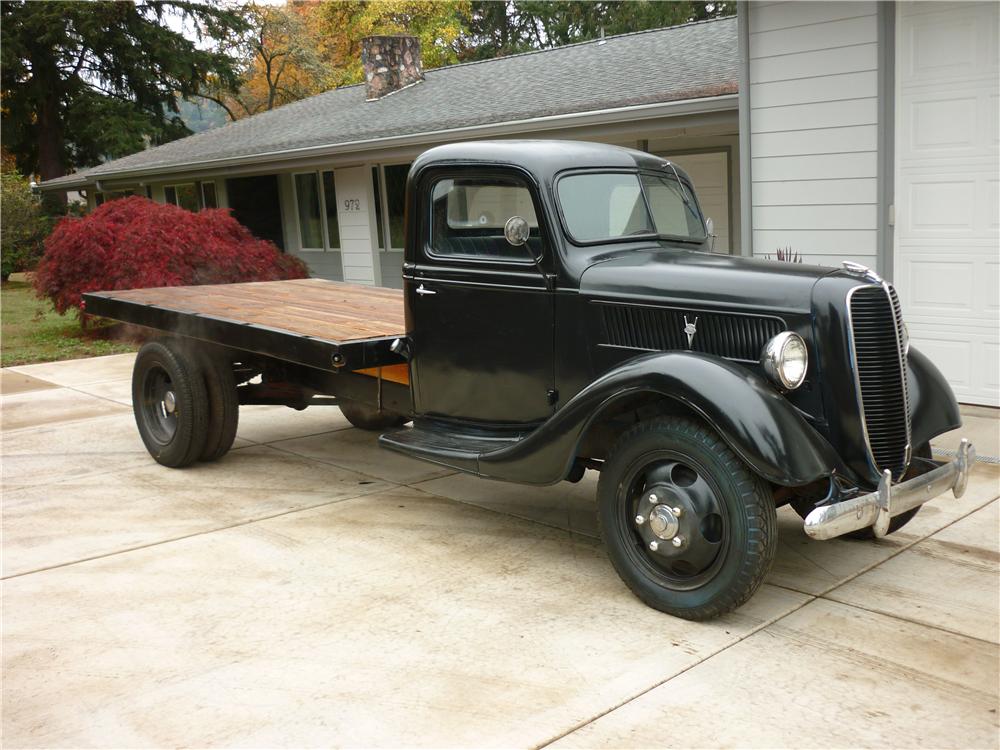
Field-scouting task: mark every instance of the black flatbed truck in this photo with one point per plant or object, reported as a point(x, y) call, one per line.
point(562, 311)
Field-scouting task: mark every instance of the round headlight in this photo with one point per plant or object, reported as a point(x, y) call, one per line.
point(905, 333)
point(785, 360)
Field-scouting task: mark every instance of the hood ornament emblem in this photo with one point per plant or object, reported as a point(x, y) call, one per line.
point(861, 270)
point(690, 329)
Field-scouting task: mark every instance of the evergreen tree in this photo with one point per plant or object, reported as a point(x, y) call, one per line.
point(86, 81)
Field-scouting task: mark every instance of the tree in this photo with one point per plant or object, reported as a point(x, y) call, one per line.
point(279, 61)
point(23, 226)
point(85, 81)
point(512, 26)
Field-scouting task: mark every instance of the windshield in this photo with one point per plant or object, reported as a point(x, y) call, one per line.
point(612, 205)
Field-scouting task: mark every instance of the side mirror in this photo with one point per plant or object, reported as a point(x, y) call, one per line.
point(517, 230)
point(710, 233)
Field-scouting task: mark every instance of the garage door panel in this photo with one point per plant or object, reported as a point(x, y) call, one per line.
point(959, 289)
point(953, 358)
point(942, 124)
point(955, 41)
point(947, 233)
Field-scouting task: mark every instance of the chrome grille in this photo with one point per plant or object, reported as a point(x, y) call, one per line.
point(662, 329)
point(876, 330)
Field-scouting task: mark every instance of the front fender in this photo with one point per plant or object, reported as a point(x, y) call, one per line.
point(760, 425)
point(933, 408)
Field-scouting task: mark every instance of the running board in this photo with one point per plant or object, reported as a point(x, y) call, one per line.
point(439, 445)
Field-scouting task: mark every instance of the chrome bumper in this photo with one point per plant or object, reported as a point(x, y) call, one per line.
point(876, 508)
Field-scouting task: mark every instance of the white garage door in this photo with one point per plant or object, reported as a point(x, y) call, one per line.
point(947, 234)
point(710, 174)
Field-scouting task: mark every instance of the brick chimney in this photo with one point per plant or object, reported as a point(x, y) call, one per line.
point(390, 63)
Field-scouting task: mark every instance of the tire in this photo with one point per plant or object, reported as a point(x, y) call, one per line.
point(172, 427)
point(727, 526)
point(365, 417)
point(896, 522)
point(223, 405)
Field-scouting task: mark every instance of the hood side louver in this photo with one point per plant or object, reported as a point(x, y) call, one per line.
point(739, 337)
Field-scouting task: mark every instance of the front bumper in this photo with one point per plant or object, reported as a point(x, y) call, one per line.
point(877, 508)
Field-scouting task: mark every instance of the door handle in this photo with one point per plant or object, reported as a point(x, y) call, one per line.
point(421, 290)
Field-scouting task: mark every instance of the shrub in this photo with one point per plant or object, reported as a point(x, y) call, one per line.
point(133, 243)
point(23, 226)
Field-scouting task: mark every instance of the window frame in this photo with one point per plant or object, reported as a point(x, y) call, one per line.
point(196, 184)
point(685, 184)
point(430, 179)
point(201, 194)
point(321, 198)
point(383, 202)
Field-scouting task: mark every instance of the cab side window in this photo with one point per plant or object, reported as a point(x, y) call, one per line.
point(468, 215)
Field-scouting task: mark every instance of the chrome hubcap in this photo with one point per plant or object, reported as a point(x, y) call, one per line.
point(663, 522)
point(169, 402)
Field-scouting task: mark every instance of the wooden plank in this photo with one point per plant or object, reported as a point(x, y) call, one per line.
point(329, 310)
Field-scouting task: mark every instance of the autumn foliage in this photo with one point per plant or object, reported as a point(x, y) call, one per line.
point(134, 243)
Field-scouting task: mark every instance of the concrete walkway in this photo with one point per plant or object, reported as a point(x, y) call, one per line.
point(311, 590)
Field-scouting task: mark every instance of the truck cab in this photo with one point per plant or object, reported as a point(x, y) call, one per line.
point(563, 311)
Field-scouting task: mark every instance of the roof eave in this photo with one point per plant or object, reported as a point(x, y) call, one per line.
point(549, 122)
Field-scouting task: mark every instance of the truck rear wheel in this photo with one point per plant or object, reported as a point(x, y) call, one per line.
point(223, 405)
point(170, 403)
point(365, 417)
point(688, 527)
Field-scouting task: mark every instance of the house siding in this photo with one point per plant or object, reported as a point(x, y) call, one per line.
point(813, 79)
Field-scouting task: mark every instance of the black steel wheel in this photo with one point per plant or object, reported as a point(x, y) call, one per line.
point(223, 404)
point(688, 527)
point(170, 403)
point(366, 417)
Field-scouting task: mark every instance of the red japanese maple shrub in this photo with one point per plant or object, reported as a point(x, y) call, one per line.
point(133, 243)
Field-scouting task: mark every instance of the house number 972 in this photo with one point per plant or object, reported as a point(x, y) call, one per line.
point(352, 204)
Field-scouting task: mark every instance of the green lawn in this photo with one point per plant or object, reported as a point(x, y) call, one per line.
point(31, 331)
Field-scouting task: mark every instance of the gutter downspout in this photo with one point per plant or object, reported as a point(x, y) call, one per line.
point(746, 177)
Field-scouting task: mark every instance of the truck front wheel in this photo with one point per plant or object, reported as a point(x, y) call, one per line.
point(689, 528)
point(170, 403)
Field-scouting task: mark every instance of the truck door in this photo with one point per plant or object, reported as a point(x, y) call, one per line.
point(479, 310)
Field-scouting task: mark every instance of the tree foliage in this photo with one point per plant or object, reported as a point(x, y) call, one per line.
point(23, 225)
point(85, 81)
point(512, 26)
point(279, 60)
point(133, 243)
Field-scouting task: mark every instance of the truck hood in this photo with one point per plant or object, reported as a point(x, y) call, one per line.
point(696, 279)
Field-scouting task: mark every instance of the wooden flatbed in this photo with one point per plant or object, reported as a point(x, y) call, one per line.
point(324, 324)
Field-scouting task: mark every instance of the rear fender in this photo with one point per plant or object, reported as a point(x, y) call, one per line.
point(760, 425)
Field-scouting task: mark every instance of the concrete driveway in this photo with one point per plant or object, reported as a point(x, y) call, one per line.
point(311, 590)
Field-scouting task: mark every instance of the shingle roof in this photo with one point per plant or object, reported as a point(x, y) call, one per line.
point(681, 62)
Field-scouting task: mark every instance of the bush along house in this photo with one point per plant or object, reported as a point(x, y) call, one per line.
point(856, 131)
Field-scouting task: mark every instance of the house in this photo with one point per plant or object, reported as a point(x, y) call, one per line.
point(865, 131)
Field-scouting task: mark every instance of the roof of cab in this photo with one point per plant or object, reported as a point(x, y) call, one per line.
point(543, 159)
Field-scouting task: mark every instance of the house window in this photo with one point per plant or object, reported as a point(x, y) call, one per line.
point(395, 199)
point(316, 206)
point(184, 196)
point(390, 203)
point(330, 201)
point(378, 207)
point(208, 199)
